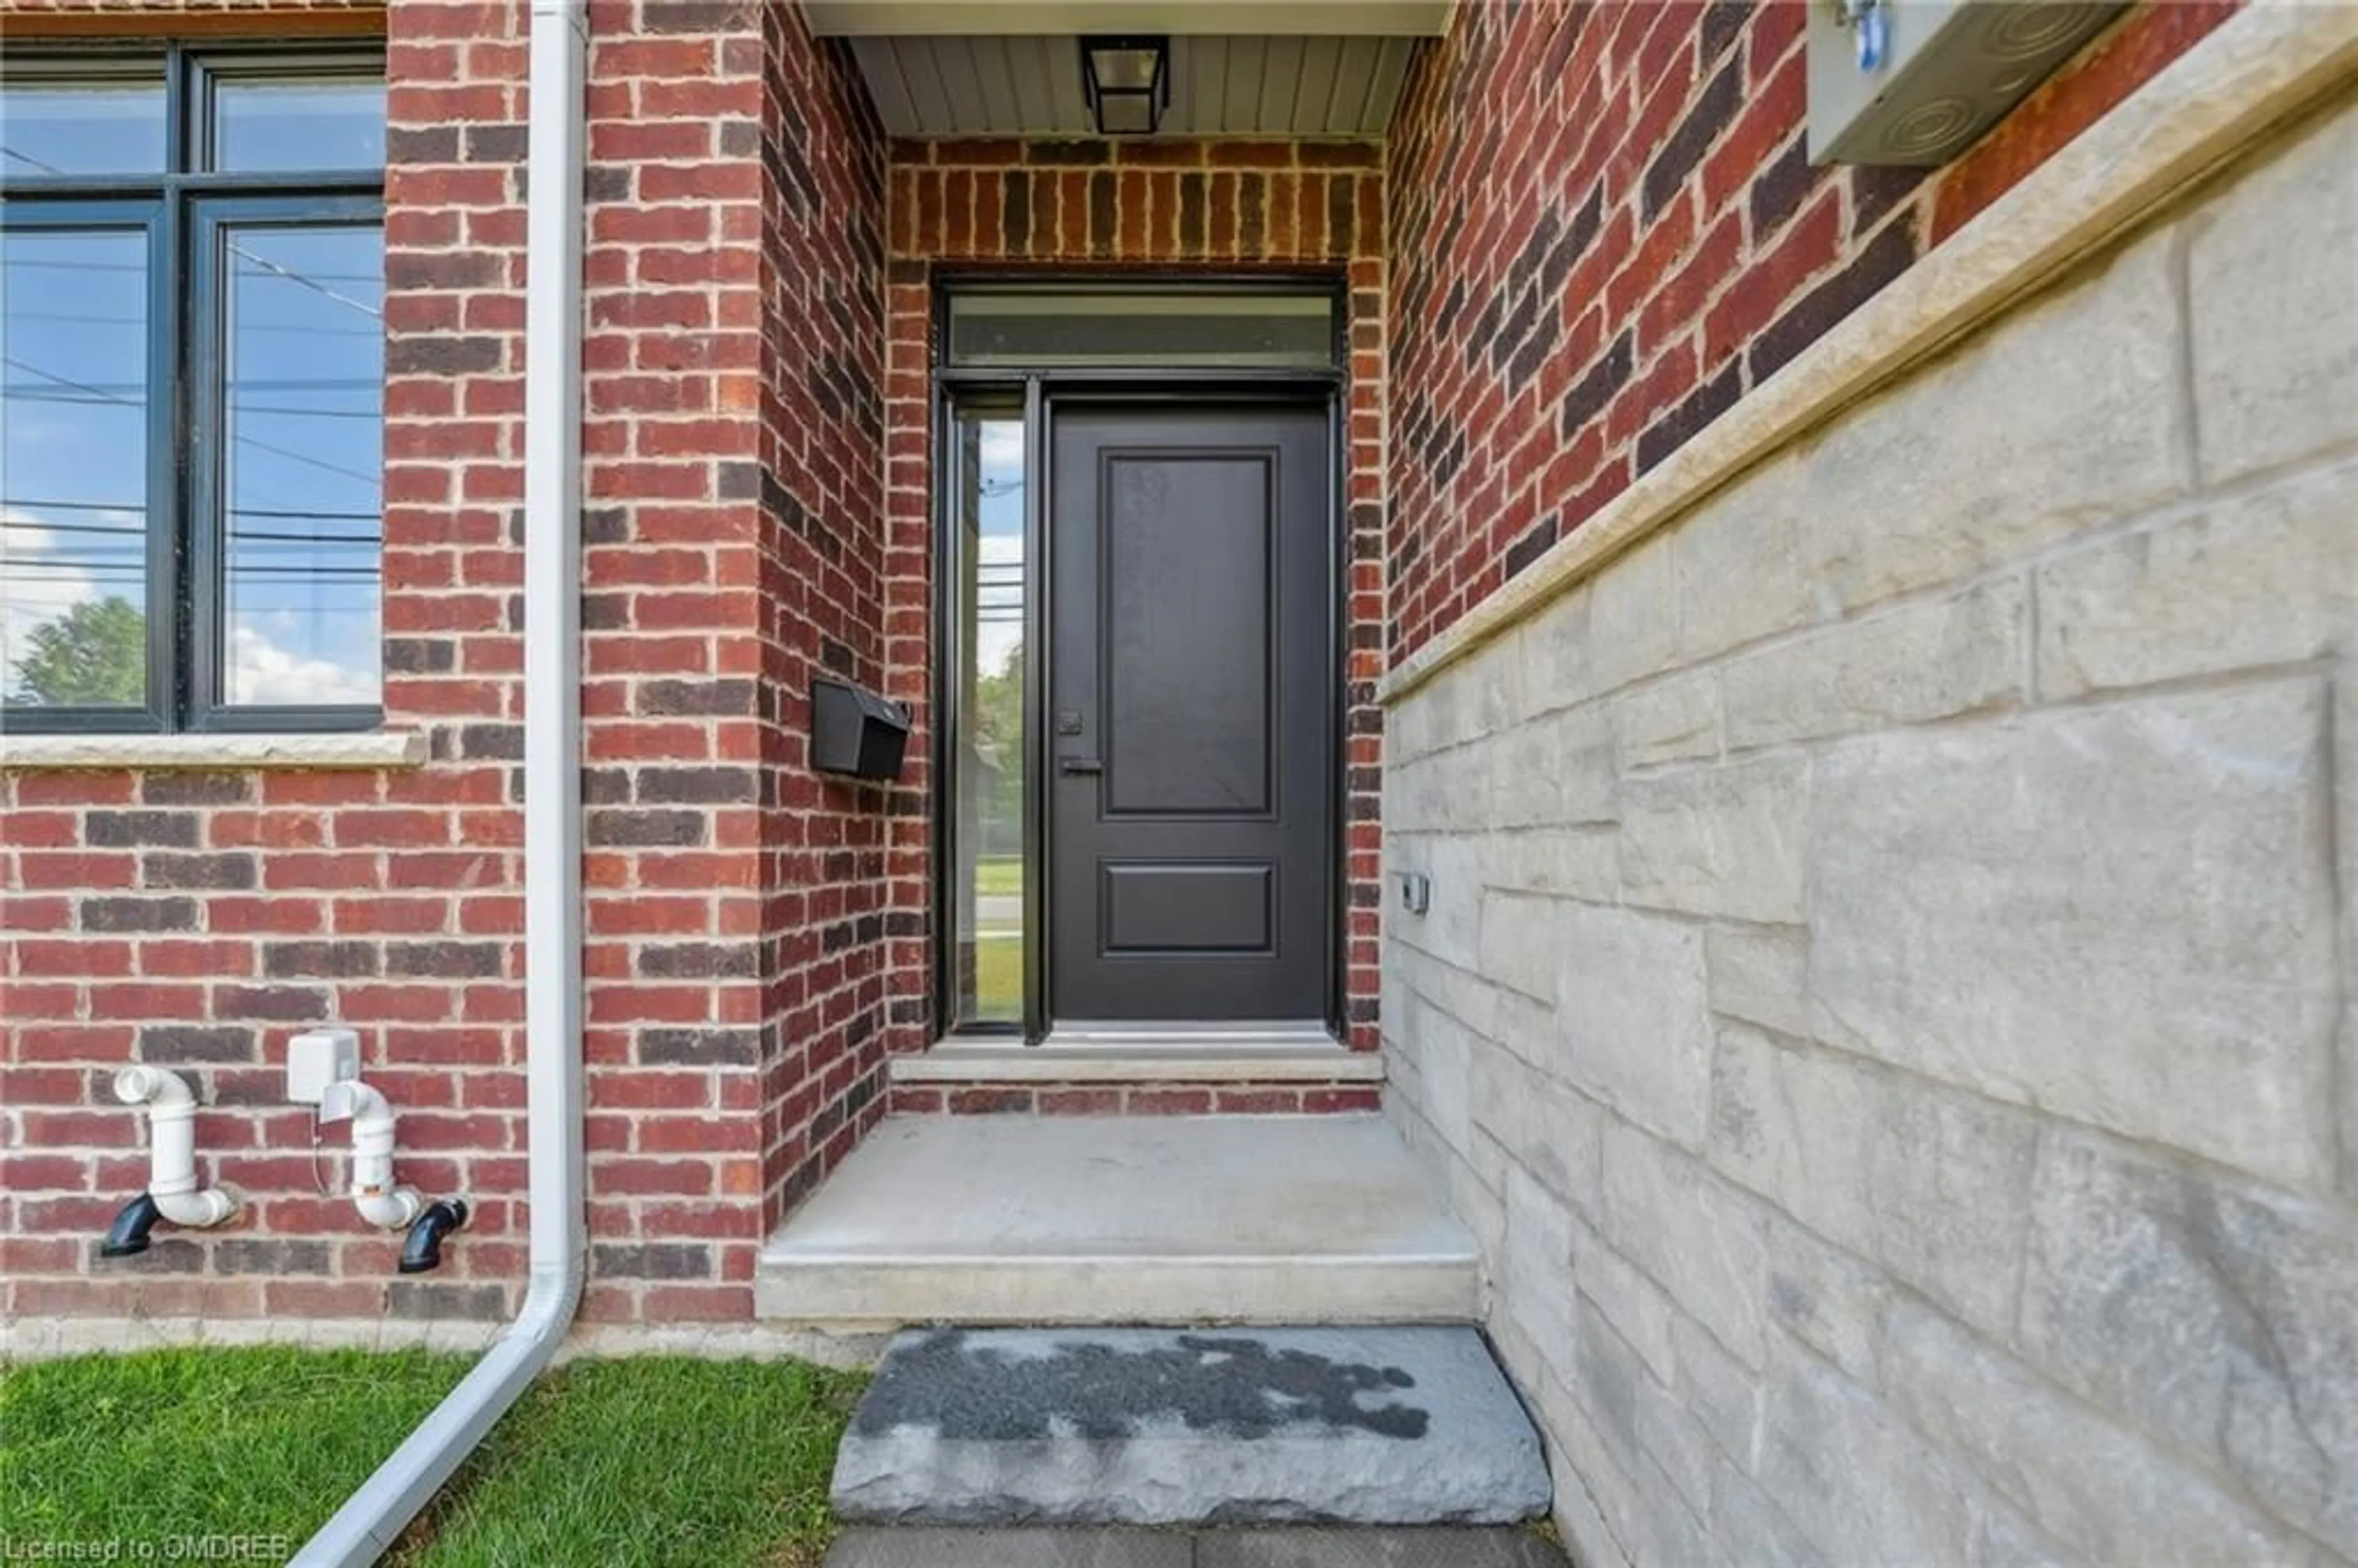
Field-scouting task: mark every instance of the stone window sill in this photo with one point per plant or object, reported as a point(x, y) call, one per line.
point(360, 748)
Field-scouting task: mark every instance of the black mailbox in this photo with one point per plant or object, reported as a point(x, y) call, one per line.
point(856, 733)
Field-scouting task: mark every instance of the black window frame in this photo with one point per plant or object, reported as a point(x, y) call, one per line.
point(186, 315)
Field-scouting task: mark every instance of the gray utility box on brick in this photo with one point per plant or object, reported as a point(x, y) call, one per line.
point(1945, 72)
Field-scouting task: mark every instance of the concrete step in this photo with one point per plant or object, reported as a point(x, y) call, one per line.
point(1143, 1055)
point(1167, 1427)
point(1020, 1219)
point(1500, 1547)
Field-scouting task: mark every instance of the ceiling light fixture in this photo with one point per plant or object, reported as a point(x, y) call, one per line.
point(1128, 83)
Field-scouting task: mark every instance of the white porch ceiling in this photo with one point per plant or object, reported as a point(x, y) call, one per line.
point(1299, 85)
point(1044, 18)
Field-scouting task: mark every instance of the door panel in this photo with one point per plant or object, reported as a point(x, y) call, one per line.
point(1188, 908)
point(1190, 667)
point(1190, 682)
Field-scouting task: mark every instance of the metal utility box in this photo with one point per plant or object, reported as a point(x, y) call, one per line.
point(1916, 82)
point(855, 733)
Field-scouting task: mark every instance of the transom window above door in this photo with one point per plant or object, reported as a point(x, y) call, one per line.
point(191, 389)
point(1075, 327)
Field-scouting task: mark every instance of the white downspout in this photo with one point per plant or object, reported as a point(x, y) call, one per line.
point(370, 1521)
point(172, 1147)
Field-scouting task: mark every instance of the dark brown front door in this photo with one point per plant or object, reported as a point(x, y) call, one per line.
point(1190, 706)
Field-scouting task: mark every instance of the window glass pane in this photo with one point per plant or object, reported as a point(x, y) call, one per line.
point(302, 464)
point(1083, 328)
point(297, 122)
point(992, 577)
point(73, 467)
point(82, 128)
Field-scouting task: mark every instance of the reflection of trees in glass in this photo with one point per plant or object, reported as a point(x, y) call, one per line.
point(998, 739)
point(95, 653)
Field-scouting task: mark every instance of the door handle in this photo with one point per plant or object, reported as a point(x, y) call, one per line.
point(1079, 765)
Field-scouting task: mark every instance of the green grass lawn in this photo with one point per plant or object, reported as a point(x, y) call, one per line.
point(999, 976)
point(999, 878)
point(648, 1460)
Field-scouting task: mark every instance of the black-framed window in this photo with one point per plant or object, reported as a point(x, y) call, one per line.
point(1080, 326)
point(191, 389)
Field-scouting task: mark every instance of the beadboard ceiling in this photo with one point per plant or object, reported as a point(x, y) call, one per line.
point(1070, 19)
point(1297, 85)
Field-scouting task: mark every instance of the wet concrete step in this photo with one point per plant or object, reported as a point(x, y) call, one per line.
point(1410, 1425)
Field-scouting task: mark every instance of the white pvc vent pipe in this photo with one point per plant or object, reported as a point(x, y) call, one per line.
point(172, 1147)
point(380, 1201)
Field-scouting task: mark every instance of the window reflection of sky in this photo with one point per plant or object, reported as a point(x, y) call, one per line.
point(300, 348)
point(83, 129)
point(73, 398)
point(303, 351)
point(304, 464)
point(1001, 551)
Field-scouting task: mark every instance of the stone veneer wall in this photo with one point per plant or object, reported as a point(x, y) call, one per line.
point(1886, 1002)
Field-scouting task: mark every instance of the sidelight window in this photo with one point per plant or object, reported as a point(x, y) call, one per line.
point(989, 736)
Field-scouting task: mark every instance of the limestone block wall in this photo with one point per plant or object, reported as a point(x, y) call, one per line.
point(1887, 1000)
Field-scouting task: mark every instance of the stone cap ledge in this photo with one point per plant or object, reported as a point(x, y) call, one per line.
point(370, 748)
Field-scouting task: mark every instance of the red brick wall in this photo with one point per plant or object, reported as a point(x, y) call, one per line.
point(1607, 232)
point(1064, 206)
point(734, 489)
point(732, 517)
point(197, 920)
point(825, 844)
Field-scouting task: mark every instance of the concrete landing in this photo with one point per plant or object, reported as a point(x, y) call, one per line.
point(1497, 1548)
point(1158, 1426)
point(1020, 1219)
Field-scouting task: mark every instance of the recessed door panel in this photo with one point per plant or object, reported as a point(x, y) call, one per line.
point(1182, 909)
point(1188, 697)
point(1192, 686)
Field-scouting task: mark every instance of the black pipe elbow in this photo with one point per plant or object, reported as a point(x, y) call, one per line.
point(127, 1237)
point(422, 1249)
